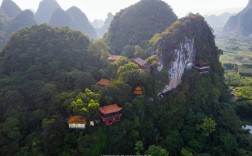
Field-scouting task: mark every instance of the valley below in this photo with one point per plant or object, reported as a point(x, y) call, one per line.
point(237, 63)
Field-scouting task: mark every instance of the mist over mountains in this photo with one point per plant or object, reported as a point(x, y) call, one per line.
point(48, 12)
point(241, 23)
point(218, 20)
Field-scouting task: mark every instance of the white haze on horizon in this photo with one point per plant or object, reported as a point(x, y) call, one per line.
point(98, 9)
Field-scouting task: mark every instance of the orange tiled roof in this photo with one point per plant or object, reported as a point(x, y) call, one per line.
point(103, 82)
point(138, 91)
point(138, 88)
point(114, 57)
point(77, 119)
point(110, 109)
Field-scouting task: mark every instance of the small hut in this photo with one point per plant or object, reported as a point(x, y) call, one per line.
point(77, 122)
point(114, 58)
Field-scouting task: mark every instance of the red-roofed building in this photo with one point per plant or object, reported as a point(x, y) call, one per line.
point(103, 82)
point(114, 58)
point(110, 114)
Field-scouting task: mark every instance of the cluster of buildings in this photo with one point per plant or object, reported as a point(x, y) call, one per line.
point(108, 115)
point(112, 113)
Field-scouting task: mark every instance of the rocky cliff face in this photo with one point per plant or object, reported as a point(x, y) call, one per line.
point(184, 59)
point(186, 41)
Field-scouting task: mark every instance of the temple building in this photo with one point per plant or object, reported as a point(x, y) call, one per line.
point(141, 63)
point(202, 67)
point(110, 114)
point(114, 58)
point(138, 91)
point(103, 82)
point(77, 122)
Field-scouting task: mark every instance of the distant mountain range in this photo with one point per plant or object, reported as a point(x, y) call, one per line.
point(98, 23)
point(48, 12)
point(218, 20)
point(241, 23)
point(45, 10)
point(12, 18)
point(10, 8)
point(104, 28)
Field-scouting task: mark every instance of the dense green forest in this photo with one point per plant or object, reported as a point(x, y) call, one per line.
point(45, 73)
point(49, 74)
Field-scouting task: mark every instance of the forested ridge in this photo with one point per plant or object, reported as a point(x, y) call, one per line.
point(136, 24)
point(49, 74)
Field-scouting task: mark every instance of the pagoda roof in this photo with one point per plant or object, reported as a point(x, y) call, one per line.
point(138, 92)
point(103, 82)
point(77, 119)
point(110, 109)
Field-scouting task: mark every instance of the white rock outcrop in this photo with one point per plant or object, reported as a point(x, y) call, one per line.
point(184, 59)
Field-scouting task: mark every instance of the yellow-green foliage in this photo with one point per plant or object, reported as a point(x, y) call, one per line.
point(86, 103)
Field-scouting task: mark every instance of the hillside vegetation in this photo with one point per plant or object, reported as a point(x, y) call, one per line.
point(136, 24)
point(48, 74)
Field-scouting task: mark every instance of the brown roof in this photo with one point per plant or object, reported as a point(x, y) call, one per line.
point(201, 63)
point(77, 119)
point(110, 109)
point(103, 82)
point(114, 57)
point(140, 61)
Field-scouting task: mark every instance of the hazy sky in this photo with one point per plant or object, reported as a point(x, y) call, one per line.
point(99, 8)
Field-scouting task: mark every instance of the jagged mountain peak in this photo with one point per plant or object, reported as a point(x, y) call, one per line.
point(80, 22)
point(25, 19)
point(10, 8)
point(77, 11)
point(60, 18)
point(45, 10)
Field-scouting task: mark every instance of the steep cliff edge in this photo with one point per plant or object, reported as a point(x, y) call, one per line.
point(182, 44)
